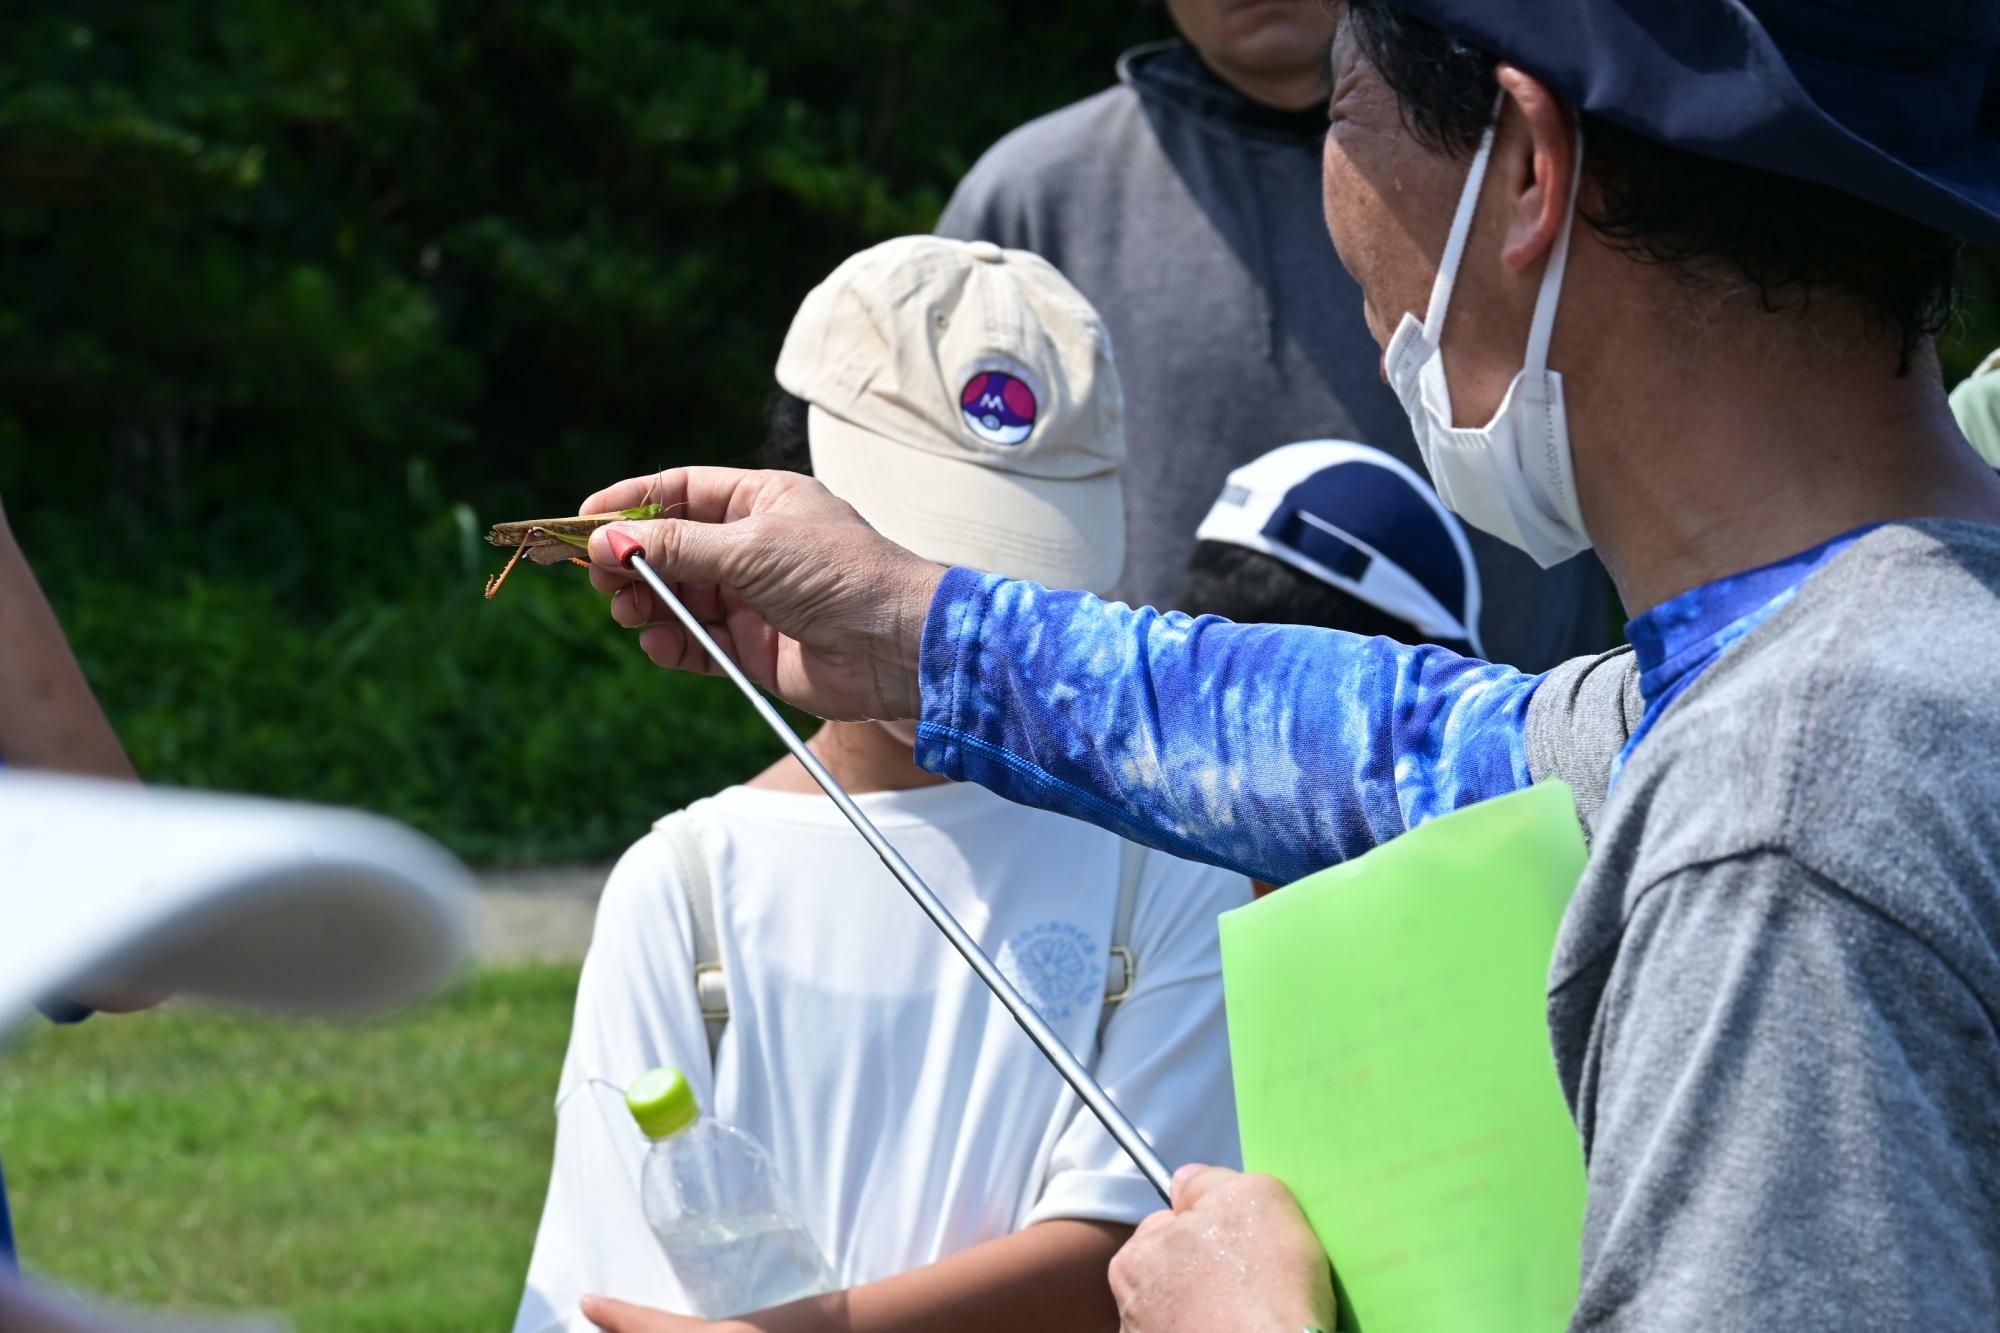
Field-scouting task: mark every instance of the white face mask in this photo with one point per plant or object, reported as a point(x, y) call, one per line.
point(1512, 476)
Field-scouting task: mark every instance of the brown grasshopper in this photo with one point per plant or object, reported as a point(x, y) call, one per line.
point(548, 541)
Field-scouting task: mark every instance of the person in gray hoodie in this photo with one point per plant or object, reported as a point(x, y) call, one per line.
point(1185, 204)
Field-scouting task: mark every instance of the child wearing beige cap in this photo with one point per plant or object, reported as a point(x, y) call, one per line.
point(964, 399)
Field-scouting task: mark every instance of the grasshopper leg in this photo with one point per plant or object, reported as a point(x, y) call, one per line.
point(493, 583)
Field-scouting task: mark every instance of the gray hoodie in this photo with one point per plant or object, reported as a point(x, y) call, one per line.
point(1190, 216)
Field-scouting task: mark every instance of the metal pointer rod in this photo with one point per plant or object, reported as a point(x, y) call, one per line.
point(628, 551)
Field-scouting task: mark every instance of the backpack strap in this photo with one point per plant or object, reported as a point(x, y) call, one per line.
point(1121, 970)
point(710, 987)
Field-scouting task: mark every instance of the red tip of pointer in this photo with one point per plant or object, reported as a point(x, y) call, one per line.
point(624, 546)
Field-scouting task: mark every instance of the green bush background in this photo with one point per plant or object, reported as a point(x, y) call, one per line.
point(295, 300)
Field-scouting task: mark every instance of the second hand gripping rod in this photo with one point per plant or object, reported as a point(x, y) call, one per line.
point(628, 551)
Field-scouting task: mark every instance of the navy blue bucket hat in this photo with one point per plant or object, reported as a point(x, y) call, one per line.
point(1893, 101)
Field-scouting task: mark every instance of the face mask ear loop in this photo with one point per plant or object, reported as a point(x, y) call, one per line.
point(1542, 331)
point(1461, 227)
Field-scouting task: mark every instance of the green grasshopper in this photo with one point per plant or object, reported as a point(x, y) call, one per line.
point(547, 541)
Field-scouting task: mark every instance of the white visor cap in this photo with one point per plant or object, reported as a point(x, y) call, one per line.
point(1360, 521)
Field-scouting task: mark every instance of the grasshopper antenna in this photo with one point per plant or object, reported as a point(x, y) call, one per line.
point(628, 551)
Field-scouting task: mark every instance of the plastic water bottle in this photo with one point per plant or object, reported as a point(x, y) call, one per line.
point(714, 1202)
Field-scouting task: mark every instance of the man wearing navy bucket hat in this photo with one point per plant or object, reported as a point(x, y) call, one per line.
point(1661, 279)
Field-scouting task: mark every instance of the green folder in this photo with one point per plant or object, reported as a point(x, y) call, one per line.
point(1392, 1067)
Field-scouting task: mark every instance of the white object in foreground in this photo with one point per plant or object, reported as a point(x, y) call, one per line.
point(110, 886)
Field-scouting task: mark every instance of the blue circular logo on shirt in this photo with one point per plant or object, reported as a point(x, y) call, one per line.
point(1056, 966)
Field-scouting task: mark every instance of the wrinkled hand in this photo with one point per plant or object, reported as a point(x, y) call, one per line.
point(809, 600)
point(1234, 1254)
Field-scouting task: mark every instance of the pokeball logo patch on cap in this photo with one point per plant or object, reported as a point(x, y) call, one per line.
point(999, 408)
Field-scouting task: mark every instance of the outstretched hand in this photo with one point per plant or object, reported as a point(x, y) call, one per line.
point(26, 1309)
point(614, 1316)
point(625, 1317)
point(811, 602)
point(1234, 1254)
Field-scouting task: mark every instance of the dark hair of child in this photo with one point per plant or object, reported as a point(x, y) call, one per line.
point(787, 445)
point(1252, 588)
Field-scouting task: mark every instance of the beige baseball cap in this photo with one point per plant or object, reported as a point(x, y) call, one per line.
point(963, 398)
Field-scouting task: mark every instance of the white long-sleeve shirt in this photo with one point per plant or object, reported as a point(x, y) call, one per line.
point(908, 1116)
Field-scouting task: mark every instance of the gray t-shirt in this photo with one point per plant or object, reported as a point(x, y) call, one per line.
point(1190, 217)
point(1773, 1002)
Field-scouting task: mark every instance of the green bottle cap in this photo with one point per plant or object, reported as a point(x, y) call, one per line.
point(662, 1102)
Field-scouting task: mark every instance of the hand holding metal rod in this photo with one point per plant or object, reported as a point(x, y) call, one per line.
point(628, 551)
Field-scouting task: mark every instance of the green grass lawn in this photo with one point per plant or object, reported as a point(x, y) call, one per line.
point(359, 1178)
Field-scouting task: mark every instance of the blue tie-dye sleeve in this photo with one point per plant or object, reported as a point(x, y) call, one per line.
point(1271, 750)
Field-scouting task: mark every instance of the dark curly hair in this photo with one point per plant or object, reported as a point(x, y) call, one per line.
point(1252, 588)
point(1795, 242)
point(787, 441)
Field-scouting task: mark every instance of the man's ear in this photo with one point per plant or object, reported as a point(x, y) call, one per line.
point(1537, 162)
